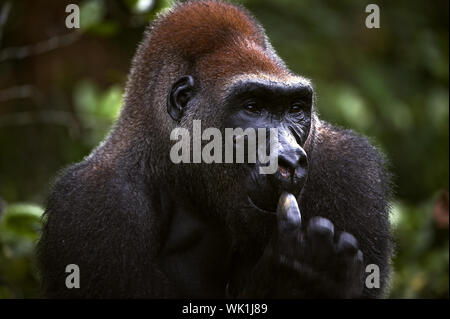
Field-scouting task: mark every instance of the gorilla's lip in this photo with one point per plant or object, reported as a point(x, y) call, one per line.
point(265, 211)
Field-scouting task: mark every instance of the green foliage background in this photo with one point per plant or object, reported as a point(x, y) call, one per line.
point(389, 83)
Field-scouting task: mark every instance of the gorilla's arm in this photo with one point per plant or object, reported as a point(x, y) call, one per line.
point(306, 262)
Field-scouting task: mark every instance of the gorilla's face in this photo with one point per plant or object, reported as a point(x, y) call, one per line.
point(262, 106)
point(273, 115)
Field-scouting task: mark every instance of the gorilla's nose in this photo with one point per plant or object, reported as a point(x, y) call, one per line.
point(292, 168)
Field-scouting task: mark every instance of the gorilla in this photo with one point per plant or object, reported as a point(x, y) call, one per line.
point(139, 225)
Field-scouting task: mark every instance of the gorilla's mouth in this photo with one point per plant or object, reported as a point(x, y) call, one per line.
point(269, 209)
point(263, 192)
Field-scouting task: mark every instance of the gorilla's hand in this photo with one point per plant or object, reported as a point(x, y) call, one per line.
point(306, 263)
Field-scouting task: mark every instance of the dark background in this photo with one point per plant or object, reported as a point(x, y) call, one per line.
point(60, 92)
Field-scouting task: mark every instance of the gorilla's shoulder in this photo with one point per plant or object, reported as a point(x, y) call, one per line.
point(90, 186)
point(349, 163)
point(82, 175)
point(345, 146)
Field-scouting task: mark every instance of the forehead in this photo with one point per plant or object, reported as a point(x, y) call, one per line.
point(247, 61)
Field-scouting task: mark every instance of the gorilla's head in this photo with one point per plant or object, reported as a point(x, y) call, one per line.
point(226, 76)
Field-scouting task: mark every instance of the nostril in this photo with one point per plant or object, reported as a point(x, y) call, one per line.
point(287, 165)
point(303, 161)
point(284, 171)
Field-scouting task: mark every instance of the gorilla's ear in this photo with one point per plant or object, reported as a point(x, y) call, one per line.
point(179, 96)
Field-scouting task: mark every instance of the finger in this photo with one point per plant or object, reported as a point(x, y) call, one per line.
point(321, 229)
point(347, 244)
point(289, 222)
point(288, 213)
point(320, 235)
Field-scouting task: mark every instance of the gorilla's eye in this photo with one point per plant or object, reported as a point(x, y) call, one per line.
point(296, 108)
point(251, 107)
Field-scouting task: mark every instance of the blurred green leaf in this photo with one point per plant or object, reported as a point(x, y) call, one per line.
point(20, 220)
point(91, 13)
